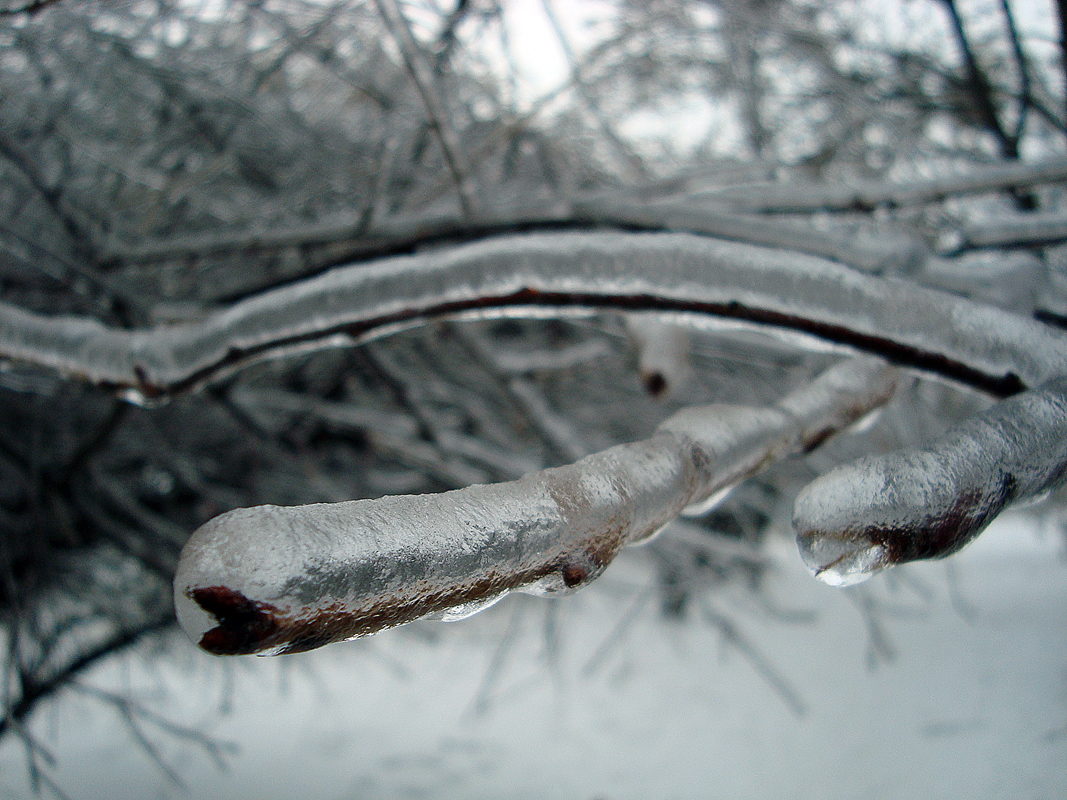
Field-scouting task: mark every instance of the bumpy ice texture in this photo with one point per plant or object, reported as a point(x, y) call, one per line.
point(929, 502)
point(283, 580)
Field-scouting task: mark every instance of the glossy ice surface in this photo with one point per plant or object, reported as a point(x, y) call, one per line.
point(929, 502)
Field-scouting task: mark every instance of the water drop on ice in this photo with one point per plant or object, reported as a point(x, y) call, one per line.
point(456, 613)
point(842, 562)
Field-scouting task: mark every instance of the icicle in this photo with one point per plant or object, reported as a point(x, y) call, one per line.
point(929, 502)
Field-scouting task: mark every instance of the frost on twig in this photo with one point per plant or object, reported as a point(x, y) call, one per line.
point(284, 580)
point(929, 502)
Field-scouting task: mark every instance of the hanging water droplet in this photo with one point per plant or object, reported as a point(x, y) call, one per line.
point(456, 613)
point(841, 562)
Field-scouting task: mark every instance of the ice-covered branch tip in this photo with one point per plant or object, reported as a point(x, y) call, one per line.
point(283, 580)
point(929, 502)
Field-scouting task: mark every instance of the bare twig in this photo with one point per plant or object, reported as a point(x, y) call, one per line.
point(482, 699)
point(446, 39)
point(763, 666)
point(133, 713)
point(981, 90)
point(30, 8)
point(34, 691)
point(1025, 96)
point(1061, 15)
point(880, 649)
point(616, 636)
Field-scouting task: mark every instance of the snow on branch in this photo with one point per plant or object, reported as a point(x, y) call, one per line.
point(978, 345)
point(928, 502)
point(273, 579)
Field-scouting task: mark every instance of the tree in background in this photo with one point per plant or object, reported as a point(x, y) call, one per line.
point(164, 162)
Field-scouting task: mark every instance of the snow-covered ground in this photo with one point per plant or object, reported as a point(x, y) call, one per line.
point(598, 696)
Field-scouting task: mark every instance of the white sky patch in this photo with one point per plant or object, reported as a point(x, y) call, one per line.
point(536, 49)
point(682, 124)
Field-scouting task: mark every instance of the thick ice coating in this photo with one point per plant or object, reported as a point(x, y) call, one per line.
point(929, 502)
point(282, 580)
point(983, 346)
point(289, 579)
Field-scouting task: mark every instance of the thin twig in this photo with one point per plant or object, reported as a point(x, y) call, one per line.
point(1022, 64)
point(38, 690)
point(981, 90)
point(578, 80)
point(30, 8)
point(435, 106)
point(763, 666)
point(616, 635)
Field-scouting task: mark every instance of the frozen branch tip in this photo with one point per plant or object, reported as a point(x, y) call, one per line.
point(276, 580)
point(929, 502)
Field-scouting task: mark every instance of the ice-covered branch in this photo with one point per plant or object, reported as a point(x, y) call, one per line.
point(888, 252)
point(797, 197)
point(928, 502)
point(348, 237)
point(1022, 230)
point(982, 346)
point(284, 580)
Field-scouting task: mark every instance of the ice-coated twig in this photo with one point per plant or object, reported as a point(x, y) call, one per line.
point(557, 433)
point(343, 415)
point(662, 352)
point(928, 502)
point(894, 252)
point(1022, 230)
point(353, 236)
point(435, 105)
point(283, 580)
point(985, 347)
point(795, 197)
point(555, 429)
point(580, 81)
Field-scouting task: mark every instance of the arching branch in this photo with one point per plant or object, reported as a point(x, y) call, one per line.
point(981, 346)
